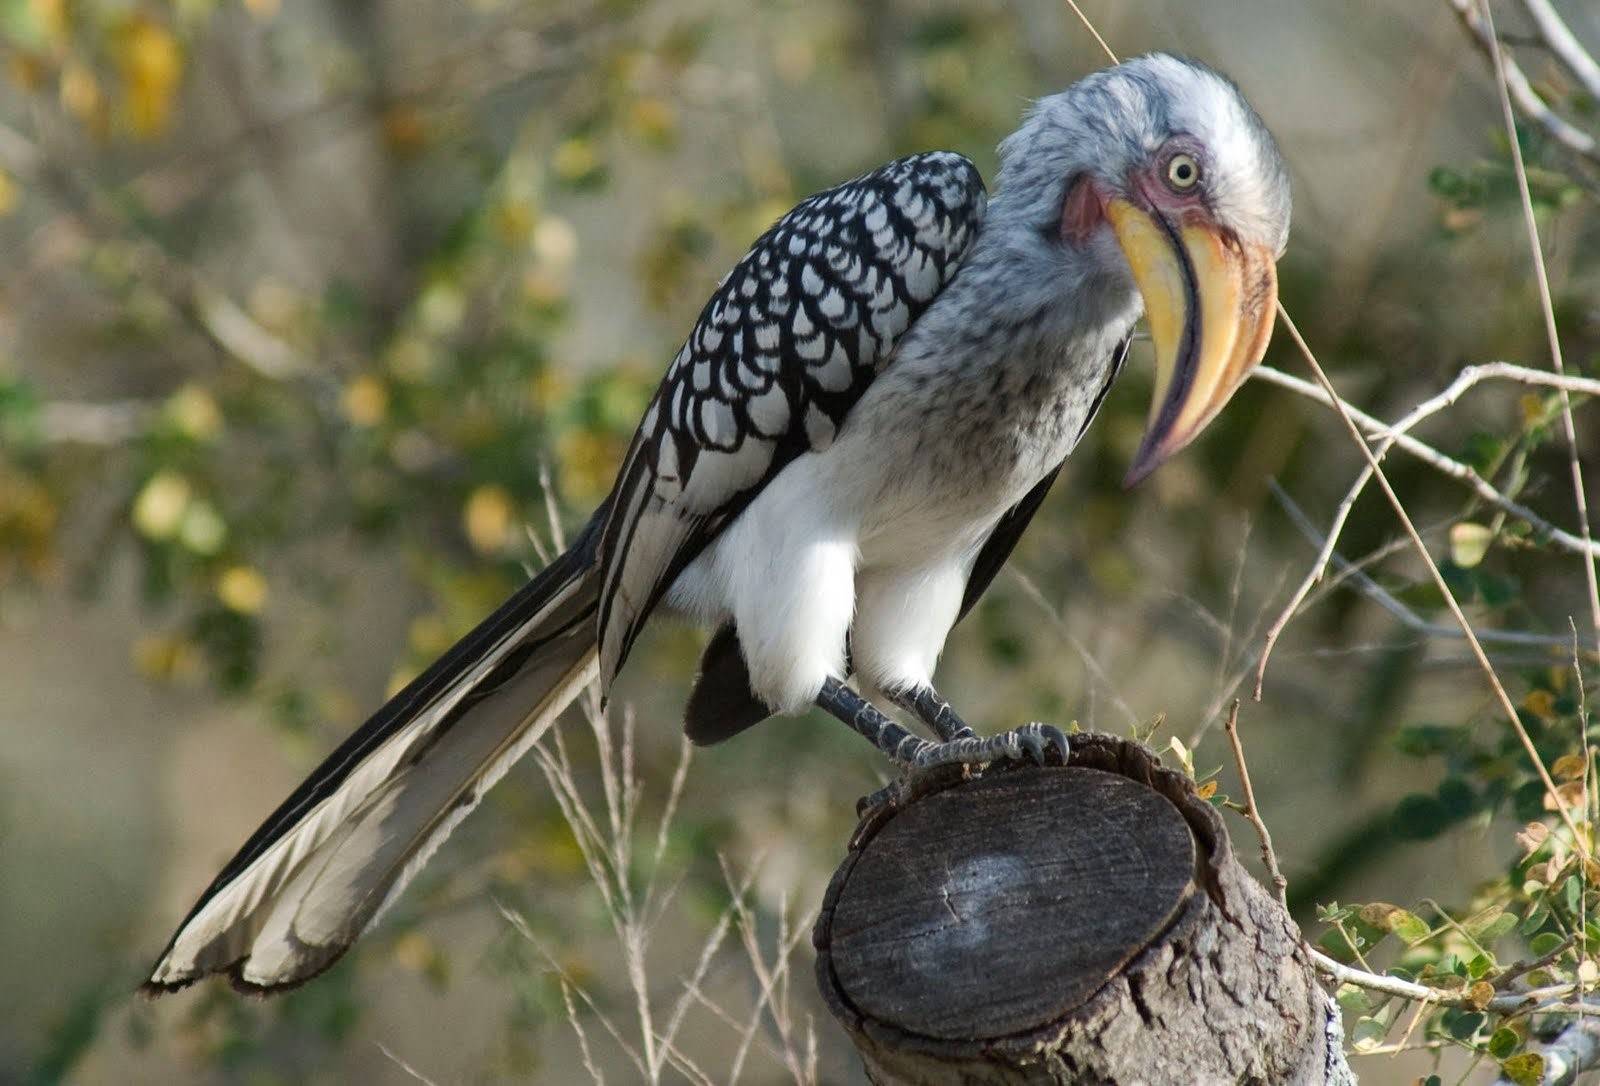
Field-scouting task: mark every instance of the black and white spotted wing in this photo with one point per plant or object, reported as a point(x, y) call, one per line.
point(779, 355)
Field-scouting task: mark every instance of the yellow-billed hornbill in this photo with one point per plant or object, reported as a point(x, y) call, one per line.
point(866, 415)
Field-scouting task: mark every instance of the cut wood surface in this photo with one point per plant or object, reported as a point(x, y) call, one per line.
point(1083, 924)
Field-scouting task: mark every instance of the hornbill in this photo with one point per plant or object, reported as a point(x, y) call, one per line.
point(864, 418)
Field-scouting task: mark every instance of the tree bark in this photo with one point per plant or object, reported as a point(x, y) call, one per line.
point(1078, 924)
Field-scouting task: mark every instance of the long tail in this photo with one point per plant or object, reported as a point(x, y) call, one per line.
point(327, 862)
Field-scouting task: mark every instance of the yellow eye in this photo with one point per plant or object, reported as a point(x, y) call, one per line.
point(1183, 172)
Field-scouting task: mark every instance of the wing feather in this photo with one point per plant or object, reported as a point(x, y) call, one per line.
point(780, 354)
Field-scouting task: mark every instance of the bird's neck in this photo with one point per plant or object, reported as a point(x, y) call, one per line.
point(1027, 302)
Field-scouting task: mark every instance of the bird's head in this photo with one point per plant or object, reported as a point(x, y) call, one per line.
point(1158, 169)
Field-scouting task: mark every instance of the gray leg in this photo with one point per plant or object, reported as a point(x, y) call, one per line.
point(927, 706)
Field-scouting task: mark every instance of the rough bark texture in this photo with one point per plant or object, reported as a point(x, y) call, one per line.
point(1079, 924)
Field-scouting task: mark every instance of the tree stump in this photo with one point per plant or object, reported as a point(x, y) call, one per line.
point(1078, 924)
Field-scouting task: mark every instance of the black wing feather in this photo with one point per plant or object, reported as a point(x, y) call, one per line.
point(780, 354)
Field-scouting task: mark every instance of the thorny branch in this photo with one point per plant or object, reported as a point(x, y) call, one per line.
point(1268, 856)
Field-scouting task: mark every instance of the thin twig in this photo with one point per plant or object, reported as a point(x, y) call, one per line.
point(1387, 600)
point(1398, 435)
point(1439, 461)
point(1551, 23)
point(1280, 885)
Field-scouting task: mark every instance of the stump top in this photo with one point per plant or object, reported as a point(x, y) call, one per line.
point(997, 907)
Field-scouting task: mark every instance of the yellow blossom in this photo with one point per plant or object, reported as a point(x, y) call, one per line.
point(365, 400)
point(159, 508)
point(242, 589)
point(487, 518)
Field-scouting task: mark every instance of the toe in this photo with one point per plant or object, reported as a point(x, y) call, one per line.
point(1054, 742)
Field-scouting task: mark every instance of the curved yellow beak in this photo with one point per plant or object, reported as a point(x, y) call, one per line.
point(1210, 301)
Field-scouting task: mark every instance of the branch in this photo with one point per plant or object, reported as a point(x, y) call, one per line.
point(1439, 461)
point(1553, 1000)
point(1558, 37)
point(1527, 100)
point(1269, 856)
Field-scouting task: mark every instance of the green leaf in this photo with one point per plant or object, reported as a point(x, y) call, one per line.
point(1469, 542)
point(1497, 928)
point(1410, 928)
point(1544, 943)
point(1353, 1000)
point(1524, 1069)
point(1480, 966)
point(1504, 1043)
point(1574, 893)
point(1465, 1025)
point(1420, 816)
point(1496, 590)
point(1368, 1034)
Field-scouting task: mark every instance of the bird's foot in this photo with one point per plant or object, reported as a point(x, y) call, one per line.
point(930, 766)
point(1043, 744)
point(926, 763)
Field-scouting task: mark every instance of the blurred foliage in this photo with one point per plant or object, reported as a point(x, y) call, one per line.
point(311, 303)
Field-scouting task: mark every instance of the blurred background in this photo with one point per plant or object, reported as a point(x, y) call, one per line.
point(312, 313)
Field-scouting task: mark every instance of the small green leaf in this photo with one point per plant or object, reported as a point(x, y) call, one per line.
point(1480, 966)
point(1479, 922)
point(1497, 928)
point(1469, 542)
point(1368, 1034)
point(1535, 919)
point(1574, 893)
point(1465, 1025)
point(1544, 943)
point(1524, 1069)
point(1391, 918)
point(1353, 1000)
point(1504, 1043)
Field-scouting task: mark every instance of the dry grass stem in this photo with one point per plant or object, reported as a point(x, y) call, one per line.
point(1097, 672)
point(1578, 841)
point(1551, 24)
point(1528, 101)
point(405, 1067)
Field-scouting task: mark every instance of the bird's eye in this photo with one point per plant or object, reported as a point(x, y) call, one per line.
point(1183, 172)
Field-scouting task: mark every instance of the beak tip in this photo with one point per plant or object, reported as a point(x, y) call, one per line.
point(1143, 465)
point(1160, 444)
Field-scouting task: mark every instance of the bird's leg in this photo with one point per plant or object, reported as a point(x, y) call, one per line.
point(1031, 741)
point(927, 706)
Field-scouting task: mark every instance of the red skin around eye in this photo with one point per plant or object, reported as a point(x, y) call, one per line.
point(1083, 210)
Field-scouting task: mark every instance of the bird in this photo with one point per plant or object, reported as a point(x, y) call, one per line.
point(864, 418)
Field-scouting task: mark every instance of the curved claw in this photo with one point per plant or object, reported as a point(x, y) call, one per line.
point(1045, 739)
